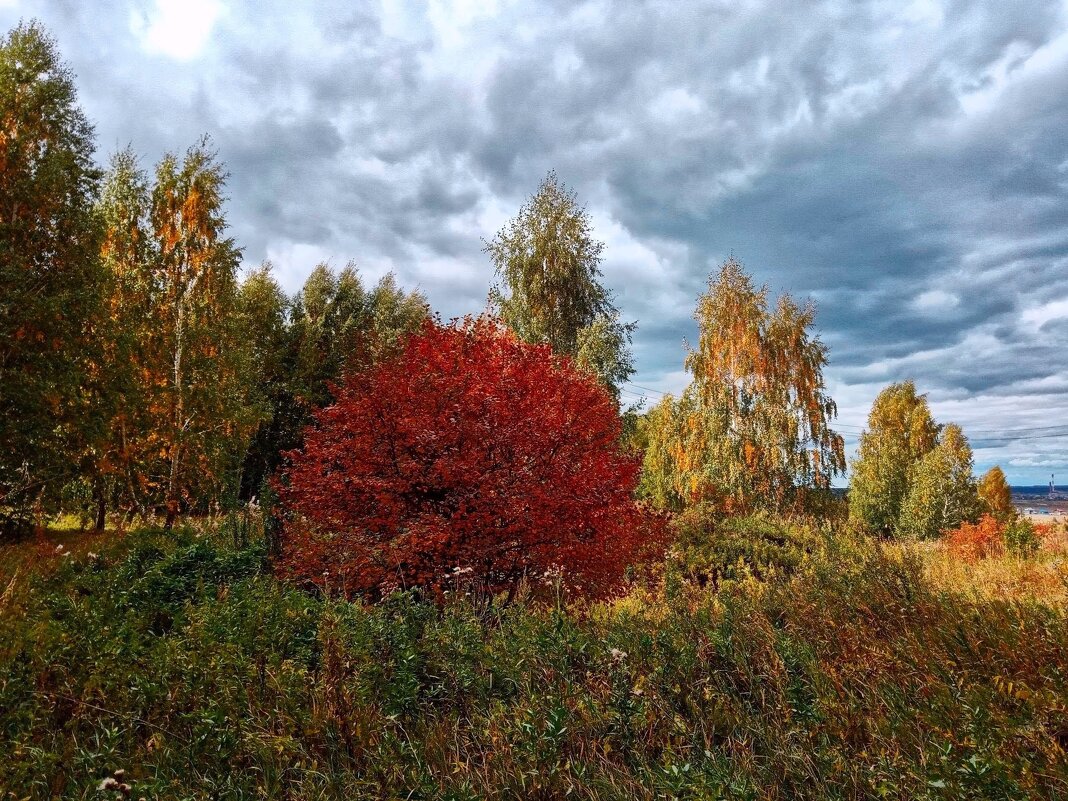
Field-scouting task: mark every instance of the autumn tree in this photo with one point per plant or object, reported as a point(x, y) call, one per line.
point(900, 432)
point(659, 436)
point(130, 353)
point(206, 412)
point(468, 456)
point(50, 283)
point(995, 494)
point(753, 428)
point(942, 492)
point(337, 323)
point(549, 266)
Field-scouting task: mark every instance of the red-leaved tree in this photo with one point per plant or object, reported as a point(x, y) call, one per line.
point(471, 456)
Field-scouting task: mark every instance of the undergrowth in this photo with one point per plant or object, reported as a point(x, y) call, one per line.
point(842, 673)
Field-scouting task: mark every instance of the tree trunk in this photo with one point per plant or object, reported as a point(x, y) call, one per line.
point(101, 507)
point(176, 420)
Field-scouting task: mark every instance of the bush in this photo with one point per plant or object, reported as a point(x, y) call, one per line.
point(710, 550)
point(993, 536)
point(1021, 537)
point(971, 541)
point(470, 457)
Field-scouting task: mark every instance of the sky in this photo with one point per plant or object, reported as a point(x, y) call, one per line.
point(903, 164)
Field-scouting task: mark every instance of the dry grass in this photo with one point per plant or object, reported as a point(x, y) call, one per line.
point(1042, 577)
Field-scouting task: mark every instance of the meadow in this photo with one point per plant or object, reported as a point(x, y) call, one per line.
point(770, 661)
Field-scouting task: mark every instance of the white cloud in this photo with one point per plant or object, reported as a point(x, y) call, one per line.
point(1038, 316)
point(936, 300)
point(176, 28)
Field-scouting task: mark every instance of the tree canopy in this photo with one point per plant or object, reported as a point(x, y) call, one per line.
point(753, 428)
point(995, 494)
point(900, 432)
point(50, 283)
point(549, 265)
point(941, 492)
point(469, 455)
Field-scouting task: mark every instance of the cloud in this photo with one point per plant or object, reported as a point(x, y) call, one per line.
point(176, 28)
point(936, 300)
point(903, 164)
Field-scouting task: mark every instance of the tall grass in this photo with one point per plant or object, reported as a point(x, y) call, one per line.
point(180, 660)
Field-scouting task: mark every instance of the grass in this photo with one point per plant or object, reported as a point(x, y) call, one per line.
point(860, 672)
point(1041, 577)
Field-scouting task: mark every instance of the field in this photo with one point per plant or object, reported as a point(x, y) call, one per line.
point(795, 663)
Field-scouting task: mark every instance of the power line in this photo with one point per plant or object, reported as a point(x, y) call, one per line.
point(647, 389)
point(978, 434)
point(1059, 435)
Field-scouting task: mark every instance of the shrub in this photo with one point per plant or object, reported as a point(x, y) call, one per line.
point(993, 536)
point(1021, 537)
point(709, 551)
point(980, 540)
point(470, 455)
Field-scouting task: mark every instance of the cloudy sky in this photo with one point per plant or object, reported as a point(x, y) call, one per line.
point(903, 163)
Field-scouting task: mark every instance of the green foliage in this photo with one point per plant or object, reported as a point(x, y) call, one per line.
point(50, 281)
point(710, 550)
point(305, 345)
point(658, 435)
point(602, 349)
point(842, 674)
point(337, 324)
point(1020, 536)
point(549, 265)
point(900, 432)
point(265, 321)
point(942, 492)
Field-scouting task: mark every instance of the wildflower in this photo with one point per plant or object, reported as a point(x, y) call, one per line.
point(110, 783)
point(59, 548)
point(618, 655)
point(93, 555)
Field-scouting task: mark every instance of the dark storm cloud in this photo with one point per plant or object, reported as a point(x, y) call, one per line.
point(903, 164)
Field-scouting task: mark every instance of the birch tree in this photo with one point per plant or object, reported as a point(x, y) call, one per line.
point(753, 428)
point(900, 432)
point(549, 266)
point(206, 390)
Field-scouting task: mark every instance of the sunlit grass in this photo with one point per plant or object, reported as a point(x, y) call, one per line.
point(1041, 577)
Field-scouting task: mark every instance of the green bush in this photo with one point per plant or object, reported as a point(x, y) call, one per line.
point(1021, 539)
point(710, 550)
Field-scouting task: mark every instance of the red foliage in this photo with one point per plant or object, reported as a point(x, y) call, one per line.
point(470, 456)
point(1046, 532)
point(973, 541)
